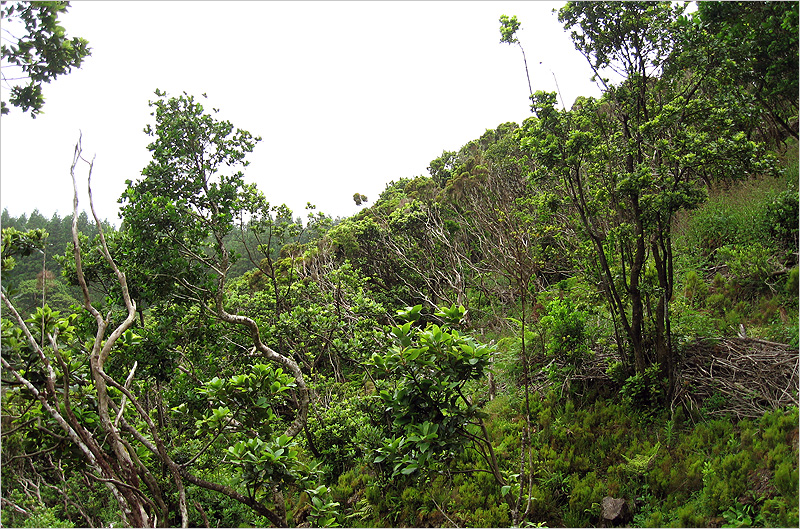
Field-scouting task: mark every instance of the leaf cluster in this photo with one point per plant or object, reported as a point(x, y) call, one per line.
point(429, 409)
point(41, 52)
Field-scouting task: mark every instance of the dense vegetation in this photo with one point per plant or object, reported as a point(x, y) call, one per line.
point(598, 303)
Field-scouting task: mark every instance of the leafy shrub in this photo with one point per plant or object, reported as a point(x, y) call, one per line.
point(780, 218)
point(689, 323)
point(644, 391)
point(616, 371)
point(567, 329)
point(750, 265)
point(762, 211)
point(695, 290)
point(586, 494)
point(335, 431)
point(792, 282)
point(431, 414)
point(713, 225)
point(718, 283)
point(719, 302)
point(778, 513)
point(46, 517)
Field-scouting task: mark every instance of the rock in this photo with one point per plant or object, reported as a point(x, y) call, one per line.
point(615, 510)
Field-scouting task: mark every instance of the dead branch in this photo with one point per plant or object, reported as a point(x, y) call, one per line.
point(747, 376)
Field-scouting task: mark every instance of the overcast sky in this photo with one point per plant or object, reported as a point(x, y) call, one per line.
point(347, 96)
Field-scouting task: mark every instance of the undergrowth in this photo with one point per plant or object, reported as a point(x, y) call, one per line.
point(672, 472)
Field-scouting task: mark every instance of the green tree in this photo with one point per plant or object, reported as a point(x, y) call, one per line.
point(35, 49)
point(508, 35)
point(632, 160)
point(191, 196)
point(54, 366)
point(441, 169)
point(762, 39)
point(59, 239)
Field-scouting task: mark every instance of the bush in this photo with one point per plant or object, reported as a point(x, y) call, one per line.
point(695, 290)
point(713, 225)
point(762, 211)
point(792, 283)
point(644, 391)
point(780, 218)
point(751, 266)
point(567, 325)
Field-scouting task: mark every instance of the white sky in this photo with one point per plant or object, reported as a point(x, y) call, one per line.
point(347, 96)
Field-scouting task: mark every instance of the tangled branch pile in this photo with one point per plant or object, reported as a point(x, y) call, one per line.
point(745, 377)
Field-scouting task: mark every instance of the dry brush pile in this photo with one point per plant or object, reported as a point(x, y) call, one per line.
point(745, 377)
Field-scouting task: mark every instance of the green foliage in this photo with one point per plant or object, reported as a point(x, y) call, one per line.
point(606, 29)
point(792, 282)
point(732, 235)
point(616, 371)
point(265, 464)
point(762, 40)
point(327, 321)
point(432, 416)
point(566, 326)
point(346, 431)
point(28, 293)
point(742, 515)
point(323, 510)
point(626, 200)
point(751, 266)
point(780, 218)
point(39, 48)
point(508, 29)
point(248, 398)
point(644, 391)
point(28, 265)
point(20, 244)
point(695, 290)
point(616, 178)
point(46, 517)
point(441, 169)
point(187, 201)
point(708, 469)
point(757, 211)
point(641, 463)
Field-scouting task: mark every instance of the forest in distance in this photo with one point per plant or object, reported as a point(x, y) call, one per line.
point(587, 318)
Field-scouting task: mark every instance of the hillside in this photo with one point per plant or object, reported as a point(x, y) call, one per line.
point(587, 318)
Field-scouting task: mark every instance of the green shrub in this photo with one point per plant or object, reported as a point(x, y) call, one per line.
point(777, 512)
point(792, 283)
point(492, 516)
point(719, 302)
point(695, 290)
point(689, 324)
point(756, 210)
point(644, 391)
point(567, 330)
point(780, 219)
point(711, 226)
point(690, 515)
point(617, 372)
point(786, 478)
point(718, 283)
point(751, 265)
point(586, 494)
